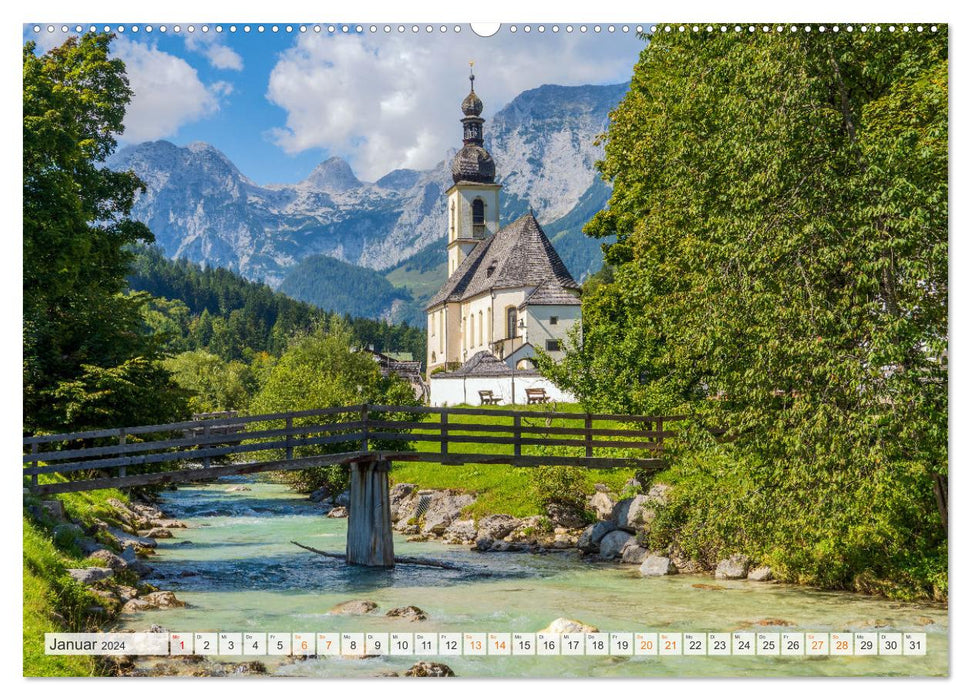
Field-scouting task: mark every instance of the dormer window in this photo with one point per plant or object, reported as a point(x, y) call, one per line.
point(478, 218)
point(492, 268)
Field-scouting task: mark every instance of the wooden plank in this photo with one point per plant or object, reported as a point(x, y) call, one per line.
point(649, 464)
point(186, 475)
point(194, 441)
point(183, 425)
point(187, 455)
point(525, 414)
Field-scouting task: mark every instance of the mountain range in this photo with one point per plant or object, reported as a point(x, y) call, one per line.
point(201, 207)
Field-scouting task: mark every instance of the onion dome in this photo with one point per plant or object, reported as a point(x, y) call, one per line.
point(473, 164)
point(472, 105)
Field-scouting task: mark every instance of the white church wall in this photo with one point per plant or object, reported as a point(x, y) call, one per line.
point(539, 326)
point(452, 391)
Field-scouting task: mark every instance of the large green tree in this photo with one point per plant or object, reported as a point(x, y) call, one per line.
point(779, 269)
point(87, 362)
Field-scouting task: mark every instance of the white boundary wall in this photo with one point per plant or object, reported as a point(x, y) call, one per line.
point(449, 390)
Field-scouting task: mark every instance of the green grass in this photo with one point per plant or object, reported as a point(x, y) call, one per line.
point(500, 488)
point(53, 602)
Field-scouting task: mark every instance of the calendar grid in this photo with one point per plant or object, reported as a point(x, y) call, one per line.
point(358, 644)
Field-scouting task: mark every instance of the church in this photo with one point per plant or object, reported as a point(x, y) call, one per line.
point(508, 292)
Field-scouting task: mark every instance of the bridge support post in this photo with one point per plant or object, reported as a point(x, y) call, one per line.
point(369, 539)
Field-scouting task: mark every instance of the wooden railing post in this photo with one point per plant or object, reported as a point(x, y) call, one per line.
point(517, 422)
point(660, 436)
point(588, 435)
point(206, 461)
point(122, 438)
point(33, 478)
point(364, 428)
point(444, 431)
point(289, 438)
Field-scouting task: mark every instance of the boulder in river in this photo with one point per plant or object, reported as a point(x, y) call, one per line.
point(589, 541)
point(736, 566)
point(614, 542)
point(761, 573)
point(633, 553)
point(127, 540)
point(657, 566)
point(338, 512)
point(443, 508)
point(109, 559)
point(343, 498)
point(238, 488)
point(409, 613)
point(460, 532)
point(632, 513)
point(134, 563)
point(152, 601)
point(564, 625)
point(158, 533)
point(498, 526)
point(601, 505)
point(319, 495)
point(430, 669)
point(568, 516)
point(354, 607)
point(91, 574)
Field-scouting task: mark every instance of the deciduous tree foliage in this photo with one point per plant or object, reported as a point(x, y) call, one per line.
point(86, 363)
point(780, 270)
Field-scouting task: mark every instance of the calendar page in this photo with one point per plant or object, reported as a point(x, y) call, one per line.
point(364, 349)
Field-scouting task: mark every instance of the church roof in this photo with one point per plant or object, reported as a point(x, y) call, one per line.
point(485, 364)
point(518, 255)
point(551, 293)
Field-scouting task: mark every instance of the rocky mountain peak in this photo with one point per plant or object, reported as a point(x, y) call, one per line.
point(333, 175)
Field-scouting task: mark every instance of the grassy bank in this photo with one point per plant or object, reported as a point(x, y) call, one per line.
point(53, 601)
point(500, 488)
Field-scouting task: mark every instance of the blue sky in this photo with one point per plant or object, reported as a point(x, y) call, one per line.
point(278, 103)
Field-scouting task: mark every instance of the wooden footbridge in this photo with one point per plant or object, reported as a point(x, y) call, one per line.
point(366, 438)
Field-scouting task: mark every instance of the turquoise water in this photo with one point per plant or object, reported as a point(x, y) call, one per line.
point(236, 568)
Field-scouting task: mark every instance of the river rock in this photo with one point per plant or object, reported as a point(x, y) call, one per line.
point(91, 574)
point(564, 625)
point(54, 509)
point(409, 613)
point(127, 540)
point(761, 573)
point(633, 553)
point(460, 532)
point(736, 566)
point(443, 508)
point(632, 513)
point(601, 505)
point(613, 544)
point(483, 544)
point(158, 533)
point(152, 601)
point(134, 563)
point(657, 566)
point(498, 526)
point(109, 559)
point(168, 523)
point(589, 540)
point(238, 489)
point(430, 669)
point(338, 512)
point(318, 495)
point(343, 498)
point(567, 516)
point(354, 607)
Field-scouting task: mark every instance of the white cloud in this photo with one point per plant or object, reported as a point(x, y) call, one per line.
point(390, 102)
point(167, 92)
point(219, 55)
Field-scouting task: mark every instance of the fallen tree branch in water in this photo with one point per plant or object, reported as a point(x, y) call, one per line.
point(416, 561)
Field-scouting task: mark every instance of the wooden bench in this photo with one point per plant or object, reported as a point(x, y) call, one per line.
point(488, 398)
point(537, 396)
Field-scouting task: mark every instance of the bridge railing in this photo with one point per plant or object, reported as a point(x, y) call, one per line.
point(199, 449)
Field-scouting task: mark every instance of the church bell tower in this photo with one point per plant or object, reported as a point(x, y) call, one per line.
point(473, 201)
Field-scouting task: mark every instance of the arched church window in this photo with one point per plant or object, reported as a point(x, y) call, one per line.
point(478, 218)
point(511, 321)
